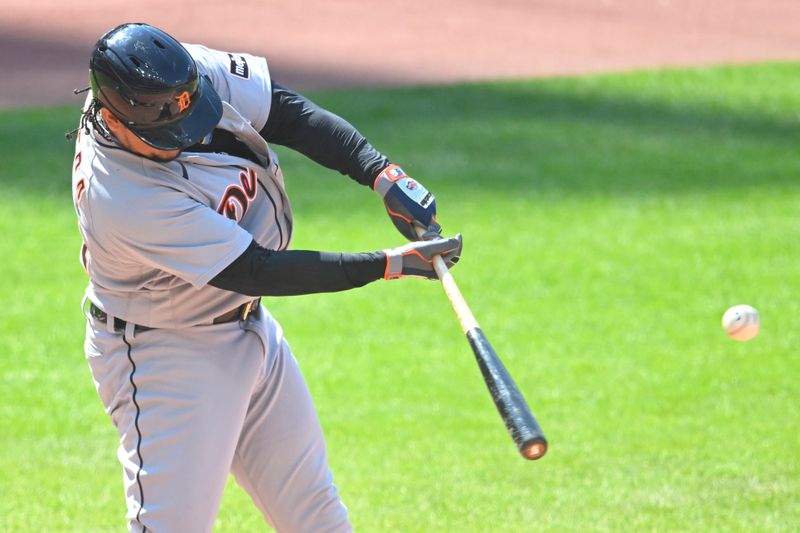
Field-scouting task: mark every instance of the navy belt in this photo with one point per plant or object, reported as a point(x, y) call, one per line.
point(234, 315)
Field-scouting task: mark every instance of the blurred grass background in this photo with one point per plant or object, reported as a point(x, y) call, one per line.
point(609, 221)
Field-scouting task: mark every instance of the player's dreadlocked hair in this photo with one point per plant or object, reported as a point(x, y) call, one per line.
point(90, 115)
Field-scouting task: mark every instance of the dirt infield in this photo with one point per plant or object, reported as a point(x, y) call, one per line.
point(44, 44)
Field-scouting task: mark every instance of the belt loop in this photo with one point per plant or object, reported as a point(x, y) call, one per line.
point(130, 330)
point(110, 323)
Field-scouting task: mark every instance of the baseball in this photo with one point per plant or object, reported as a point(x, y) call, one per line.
point(741, 322)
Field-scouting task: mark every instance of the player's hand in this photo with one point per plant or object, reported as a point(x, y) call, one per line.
point(408, 203)
point(416, 258)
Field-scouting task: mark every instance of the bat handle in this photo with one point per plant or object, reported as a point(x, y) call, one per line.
point(463, 312)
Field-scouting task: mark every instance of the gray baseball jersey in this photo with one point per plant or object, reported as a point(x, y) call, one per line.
point(156, 232)
point(194, 400)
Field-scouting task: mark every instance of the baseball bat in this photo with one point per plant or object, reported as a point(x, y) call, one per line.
point(510, 403)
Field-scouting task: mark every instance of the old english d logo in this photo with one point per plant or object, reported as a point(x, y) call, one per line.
point(184, 100)
point(238, 197)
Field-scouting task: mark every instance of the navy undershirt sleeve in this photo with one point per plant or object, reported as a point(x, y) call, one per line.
point(263, 272)
point(329, 140)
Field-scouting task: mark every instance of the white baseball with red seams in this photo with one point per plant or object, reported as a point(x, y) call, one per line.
point(741, 322)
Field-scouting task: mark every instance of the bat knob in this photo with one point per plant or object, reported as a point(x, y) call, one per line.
point(534, 450)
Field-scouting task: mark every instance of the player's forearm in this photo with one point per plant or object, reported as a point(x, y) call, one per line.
point(296, 122)
point(262, 272)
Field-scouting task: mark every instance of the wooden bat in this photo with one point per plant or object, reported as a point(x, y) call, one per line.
point(510, 403)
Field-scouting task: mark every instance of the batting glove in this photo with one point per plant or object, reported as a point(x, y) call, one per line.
point(416, 258)
point(408, 203)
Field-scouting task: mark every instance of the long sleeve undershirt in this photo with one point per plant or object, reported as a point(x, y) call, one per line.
point(325, 138)
point(299, 124)
point(262, 272)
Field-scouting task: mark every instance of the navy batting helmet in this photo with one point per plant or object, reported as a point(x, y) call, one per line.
point(151, 84)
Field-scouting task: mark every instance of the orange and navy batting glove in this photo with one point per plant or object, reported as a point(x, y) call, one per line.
point(409, 204)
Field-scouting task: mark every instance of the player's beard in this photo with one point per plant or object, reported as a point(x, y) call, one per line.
point(132, 142)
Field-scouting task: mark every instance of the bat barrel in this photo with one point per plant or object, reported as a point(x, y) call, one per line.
point(513, 409)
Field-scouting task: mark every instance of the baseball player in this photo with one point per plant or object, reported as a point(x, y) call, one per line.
point(186, 224)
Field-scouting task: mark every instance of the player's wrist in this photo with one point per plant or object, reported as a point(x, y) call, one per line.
point(363, 268)
point(386, 178)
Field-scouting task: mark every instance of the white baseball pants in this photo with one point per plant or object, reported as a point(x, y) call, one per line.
point(192, 405)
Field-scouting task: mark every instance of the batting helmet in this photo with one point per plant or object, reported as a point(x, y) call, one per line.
point(151, 84)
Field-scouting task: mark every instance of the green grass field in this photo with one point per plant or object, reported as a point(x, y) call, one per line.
point(609, 221)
